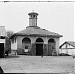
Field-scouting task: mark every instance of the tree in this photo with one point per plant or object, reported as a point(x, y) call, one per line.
point(9, 33)
point(8, 42)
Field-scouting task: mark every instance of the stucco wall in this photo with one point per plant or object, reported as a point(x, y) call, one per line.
point(14, 45)
point(33, 39)
point(74, 52)
point(19, 45)
point(57, 45)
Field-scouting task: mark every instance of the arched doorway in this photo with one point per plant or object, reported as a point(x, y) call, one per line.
point(51, 46)
point(39, 47)
point(26, 42)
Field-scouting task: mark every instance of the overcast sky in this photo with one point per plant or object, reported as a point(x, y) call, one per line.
point(56, 17)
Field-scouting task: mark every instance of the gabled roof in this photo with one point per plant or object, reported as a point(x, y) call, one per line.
point(37, 31)
point(72, 43)
point(2, 31)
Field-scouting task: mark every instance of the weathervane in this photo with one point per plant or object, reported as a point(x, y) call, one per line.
point(33, 10)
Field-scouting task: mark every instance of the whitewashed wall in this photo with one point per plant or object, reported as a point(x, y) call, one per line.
point(70, 49)
point(2, 40)
point(14, 45)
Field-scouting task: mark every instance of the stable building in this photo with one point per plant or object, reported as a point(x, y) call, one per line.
point(34, 40)
point(2, 41)
point(68, 47)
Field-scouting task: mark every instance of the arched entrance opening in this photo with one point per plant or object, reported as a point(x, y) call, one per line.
point(51, 46)
point(26, 42)
point(39, 46)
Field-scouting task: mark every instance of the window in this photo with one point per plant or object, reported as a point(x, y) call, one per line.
point(2, 37)
point(12, 40)
point(26, 49)
point(53, 47)
point(15, 39)
point(33, 16)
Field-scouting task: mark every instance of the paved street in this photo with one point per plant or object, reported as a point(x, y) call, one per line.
point(37, 64)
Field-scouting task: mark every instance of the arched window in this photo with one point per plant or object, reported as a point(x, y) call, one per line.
point(51, 40)
point(26, 40)
point(39, 40)
point(26, 44)
point(51, 46)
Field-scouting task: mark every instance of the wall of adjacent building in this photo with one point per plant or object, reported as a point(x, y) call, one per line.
point(69, 50)
point(13, 45)
point(2, 40)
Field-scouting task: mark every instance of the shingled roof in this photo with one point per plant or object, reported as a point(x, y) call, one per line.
point(35, 30)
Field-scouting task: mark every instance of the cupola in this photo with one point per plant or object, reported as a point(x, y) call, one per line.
point(33, 19)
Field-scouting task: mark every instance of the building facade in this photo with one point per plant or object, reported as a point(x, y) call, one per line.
point(34, 40)
point(2, 41)
point(68, 47)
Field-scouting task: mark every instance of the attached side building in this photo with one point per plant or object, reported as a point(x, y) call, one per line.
point(68, 47)
point(34, 40)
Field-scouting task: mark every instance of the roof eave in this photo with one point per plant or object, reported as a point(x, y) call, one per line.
point(64, 43)
point(19, 34)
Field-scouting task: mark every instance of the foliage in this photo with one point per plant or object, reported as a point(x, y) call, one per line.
point(9, 33)
point(8, 42)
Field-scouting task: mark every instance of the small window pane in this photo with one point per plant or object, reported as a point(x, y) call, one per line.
point(26, 47)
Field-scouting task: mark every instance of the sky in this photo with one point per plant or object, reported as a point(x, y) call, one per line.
point(56, 17)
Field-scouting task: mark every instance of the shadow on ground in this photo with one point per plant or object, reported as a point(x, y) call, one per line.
point(12, 56)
